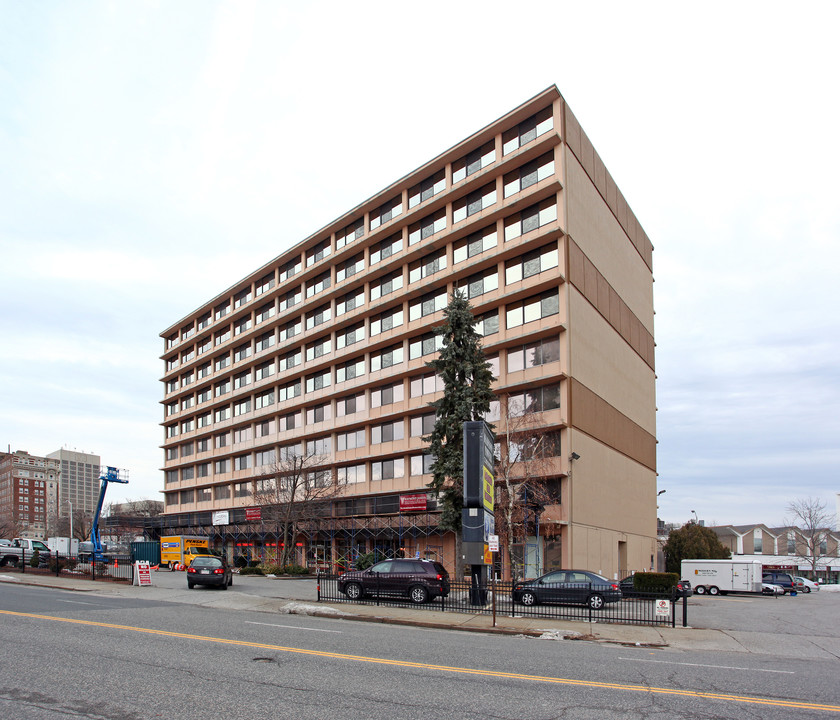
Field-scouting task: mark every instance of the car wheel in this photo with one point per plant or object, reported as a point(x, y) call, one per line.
point(230, 582)
point(806, 589)
point(190, 585)
point(699, 590)
point(418, 594)
point(528, 598)
point(353, 591)
point(713, 590)
point(595, 602)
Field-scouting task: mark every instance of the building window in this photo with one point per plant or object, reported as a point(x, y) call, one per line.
point(427, 189)
point(321, 447)
point(242, 352)
point(172, 453)
point(242, 434)
point(221, 362)
point(203, 420)
point(530, 264)
point(386, 395)
point(242, 297)
point(318, 413)
point(265, 284)
point(424, 345)
point(385, 249)
point(221, 492)
point(528, 130)
point(171, 476)
point(427, 266)
point(386, 213)
point(289, 330)
point(205, 320)
point(534, 354)
point(534, 447)
point(475, 244)
point(757, 541)
point(188, 425)
point(242, 407)
point(529, 174)
point(203, 494)
point(265, 312)
point(289, 360)
point(290, 269)
point(386, 285)
point(318, 284)
point(350, 440)
point(352, 232)
point(534, 308)
point(350, 474)
point(350, 301)
point(222, 336)
point(187, 331)
point(264, 428)
point(387, 469)
point(350, 405)
point(221, 466)
point(242, 462)
point(318, 381)
point(265, 457)
point(241, 490)
point(204, 346)
point(350, 336)
point(318, 316)
point(172, 385)
point(422, 464)
point(481, 283)
point(221, 310)
point(290, 299)
point(386, 358)
point(427, 305)
point(474, 203)
point(386, 432)
point(319, 348)
point(241, 379)
point(386, 321)
point(265, 370)
point(288, 392)
point(349, 268)
point(222, 414)
point(473, 162)
point(425, 384)
point(422, 425)
point(487, 324)
point(264, 400)
point(318, 253)
point(350, 370)
point(534, 400)
point(241, 326)
point(531, 218)
point(186, 496)
point(265, 341)
point(427, 227)
point(188, 473)
point(222, 440)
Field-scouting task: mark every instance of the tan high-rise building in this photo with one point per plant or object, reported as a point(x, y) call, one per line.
point(326, 347)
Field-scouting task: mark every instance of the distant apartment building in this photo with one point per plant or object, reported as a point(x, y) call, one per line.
point(324, 349)
point(28, 492)
point(79, 485)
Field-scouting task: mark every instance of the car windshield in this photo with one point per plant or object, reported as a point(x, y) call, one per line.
point(207, 562)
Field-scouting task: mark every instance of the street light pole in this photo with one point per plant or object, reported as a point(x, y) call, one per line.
point(696, 521)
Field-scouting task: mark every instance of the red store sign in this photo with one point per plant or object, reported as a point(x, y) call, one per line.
point(413, 503)
point(253, 514)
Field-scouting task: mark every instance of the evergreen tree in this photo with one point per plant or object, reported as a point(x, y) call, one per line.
point(466, 396)
point(692, 542)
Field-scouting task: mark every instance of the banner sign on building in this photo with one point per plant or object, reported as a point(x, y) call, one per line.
point(221, 517)
point(416, 502)
point(253, 514)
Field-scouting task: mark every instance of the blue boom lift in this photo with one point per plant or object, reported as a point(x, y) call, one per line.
point(94, 546)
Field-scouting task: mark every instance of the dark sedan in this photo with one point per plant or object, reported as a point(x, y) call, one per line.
point(209, 570)
point(568, 586)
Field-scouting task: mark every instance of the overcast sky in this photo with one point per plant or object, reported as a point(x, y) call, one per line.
point(153, 153)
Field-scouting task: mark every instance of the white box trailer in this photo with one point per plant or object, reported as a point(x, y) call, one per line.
point(723, 576)
point(63, 545)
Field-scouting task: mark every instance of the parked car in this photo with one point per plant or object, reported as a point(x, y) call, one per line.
point(783, 579)
point(418, 580)
point(628, 589)
point(804, 584)
point(209, 570)
point(567, 586)
point(770, 589)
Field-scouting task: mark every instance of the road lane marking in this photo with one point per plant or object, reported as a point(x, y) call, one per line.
point(719, 667)
point(77, 602)
point(293, 627)
point(697, 694)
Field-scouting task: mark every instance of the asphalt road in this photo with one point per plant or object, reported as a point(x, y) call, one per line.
point(74, 655)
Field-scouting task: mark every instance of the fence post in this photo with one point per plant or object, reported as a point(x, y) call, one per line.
point(23, 559)
point(57, 563)
point(685, 610)
point(377, 587)
point(673, 606)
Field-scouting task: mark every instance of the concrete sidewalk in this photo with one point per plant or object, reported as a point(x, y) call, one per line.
point(549, 628)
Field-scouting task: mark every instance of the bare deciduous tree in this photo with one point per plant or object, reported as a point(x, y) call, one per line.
point(811, 518)
point(9, 527)
point(523, 472)
point(294, 489)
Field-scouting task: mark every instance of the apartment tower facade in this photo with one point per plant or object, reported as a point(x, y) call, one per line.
point(325, 348)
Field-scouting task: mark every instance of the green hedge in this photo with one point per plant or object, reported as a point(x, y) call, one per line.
point(251, 571)
point(651, 582)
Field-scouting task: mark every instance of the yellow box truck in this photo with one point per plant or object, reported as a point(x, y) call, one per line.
point(181, 549)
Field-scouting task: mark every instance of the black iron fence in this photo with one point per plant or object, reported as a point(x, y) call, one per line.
point(118, 568)
point(566, 601)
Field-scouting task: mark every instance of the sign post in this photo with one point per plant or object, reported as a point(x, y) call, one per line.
point(477, 520)
point(142, 573)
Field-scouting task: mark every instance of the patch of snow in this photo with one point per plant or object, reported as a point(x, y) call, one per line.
point(9, 578)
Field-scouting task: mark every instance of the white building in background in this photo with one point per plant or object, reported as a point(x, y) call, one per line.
point(79, 481)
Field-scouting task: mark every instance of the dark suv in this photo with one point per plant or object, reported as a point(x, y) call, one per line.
point(782, 579)
point(418, 580)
